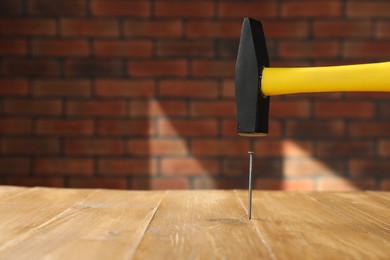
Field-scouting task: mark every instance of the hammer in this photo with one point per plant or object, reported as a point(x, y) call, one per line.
point(256, 82)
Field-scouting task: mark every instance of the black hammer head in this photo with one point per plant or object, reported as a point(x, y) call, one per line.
point(252, 106)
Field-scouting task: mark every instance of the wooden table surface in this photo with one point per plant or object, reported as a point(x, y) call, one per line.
point(37, 223)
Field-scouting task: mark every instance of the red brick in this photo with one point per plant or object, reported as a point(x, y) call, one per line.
point(239, 167)
point(80, 27)
point(63, 166)
point(213, 29)
point(158, 68)
point(291, 63)
point(206, 182)
point(35, 181)
point(283, 148)
point(368, 9)
point(319, 95)
point(298, 167)
point(385, 185)
point(213, 108)
point(281, 108)
point(213, 147)
point(33, 107)
point(301, 49)
point(287, 185)
point(282, 29)
point(240, 10)
point(61, 88)
point(186, 9)
point(315, 129)
point(229, 128)
point(337, 62)
point(384, 110)
point(153, 147)
point(187, 127)
point(368, 96)
point(28, 27)
point(13, 87)
point(94, 146)
point(98, 182)
point(14, 166)
point(344, 149)
point(180, 48)
point(30, 146)
point(94, 68)
point(15, 126)
point(160, 183)
point(367, 49)
point(13, 47)
point(120, 8)
point(350, 109)
point(369, 168)
point(10, 7)
point(383, 29)
point(133, 127)
point(171, 28)
point(123, 48)
point(228, 88)
point(311, 9)
point(188, 88)
point(213, 68)
point(341, 28)
point(188, 166)
point(158, 108)
point(96, 108)
point(340, 184)
point(61, 48)
point(127, 167)
point(31, 68)
point(227, 48)
point(124, 88)
point(384, 148)
point(61, 127)
point(369, 129)
point(57, 8)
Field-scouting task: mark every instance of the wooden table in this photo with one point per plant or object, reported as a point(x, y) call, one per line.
point(37, 223)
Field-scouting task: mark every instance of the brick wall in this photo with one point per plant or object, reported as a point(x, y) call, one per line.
point(140, 94)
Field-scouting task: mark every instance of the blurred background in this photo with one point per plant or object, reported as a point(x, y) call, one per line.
point(140, 95)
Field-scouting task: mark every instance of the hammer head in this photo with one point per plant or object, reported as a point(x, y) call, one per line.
point(252, 106)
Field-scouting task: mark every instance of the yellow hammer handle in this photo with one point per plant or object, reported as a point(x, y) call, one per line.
point(362, 77)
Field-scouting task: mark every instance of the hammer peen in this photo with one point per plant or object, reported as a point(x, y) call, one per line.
point(256, 82)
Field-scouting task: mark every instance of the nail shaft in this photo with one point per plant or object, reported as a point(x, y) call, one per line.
point(250, 185)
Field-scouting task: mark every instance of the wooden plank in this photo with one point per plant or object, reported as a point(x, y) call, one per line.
point(8, 191)
point(26, 213)
point(360, 209)
point(294, 224)
point(42, 223)
point(201, 225)
point(382, 197)
point(107, 225)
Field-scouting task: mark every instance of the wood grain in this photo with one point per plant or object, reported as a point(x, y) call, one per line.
point(47, 223)
point(295, 223)
point(362, 210)
point(198, 225)
point(105, 225)
point(22, 215)
point(7, 191)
